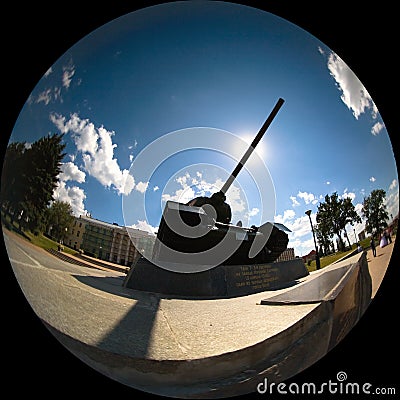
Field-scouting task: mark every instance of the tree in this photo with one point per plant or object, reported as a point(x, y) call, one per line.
point(334, 214)
point(46, 155)
point(374, 210)
point(349, 216)
point(13, 184)
point(324, 237)
point(58, 219)
point(30, 175)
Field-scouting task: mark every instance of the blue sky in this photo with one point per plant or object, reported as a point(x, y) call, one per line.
point(222, 67)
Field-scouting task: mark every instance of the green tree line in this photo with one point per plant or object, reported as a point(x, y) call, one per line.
point(29, 176)
point(335, 213)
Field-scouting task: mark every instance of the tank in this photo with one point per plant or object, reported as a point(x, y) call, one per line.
point(273, 236)
point(210, 219)
point(198, 253)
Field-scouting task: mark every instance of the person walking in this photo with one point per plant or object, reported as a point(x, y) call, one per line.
point(383, 241)
point(373, 247)
point(387, 235)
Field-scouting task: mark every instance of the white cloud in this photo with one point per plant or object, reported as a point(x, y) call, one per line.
point(142, 186)
point(70, 172)
point(126, 183)
point(54, 93)
point(392, 204)
point(190, 187)
point(68, 73)
point(72, 195)
point(237, 203)
point(301, 237)
point(358, 207)
point(354, 95)
point(301, 247)
point(358, 227)
point(393, 184)
point(295, 203)
point(308, 197)
point(372, 179)
point(48, 72)
point(253, 212)
point(287, 216)
point(155, 188)
point(299, 226)
point(44, 97)
point(378, 126)
point(327, 182)
point(392, 199)
point(144, 226)
point(97, 150)
point(182, 195)
point(347, 194)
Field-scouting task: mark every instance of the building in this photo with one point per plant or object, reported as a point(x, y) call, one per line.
point(106, 241)
point(287, 255)
point(75, 234)
point(311, 256)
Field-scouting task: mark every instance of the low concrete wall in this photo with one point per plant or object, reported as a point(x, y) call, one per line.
point(346, 287)
point(217, 282)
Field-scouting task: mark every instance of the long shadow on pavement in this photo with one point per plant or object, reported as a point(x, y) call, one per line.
point(133, 333)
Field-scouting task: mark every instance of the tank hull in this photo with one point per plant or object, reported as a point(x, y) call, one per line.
point(274, 239)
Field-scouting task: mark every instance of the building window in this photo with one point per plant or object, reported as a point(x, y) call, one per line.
point(77, 233)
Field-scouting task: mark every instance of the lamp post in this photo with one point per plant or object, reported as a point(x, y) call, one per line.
point(317, 261)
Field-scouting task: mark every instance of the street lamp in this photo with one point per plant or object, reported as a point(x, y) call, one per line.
point(317, 261)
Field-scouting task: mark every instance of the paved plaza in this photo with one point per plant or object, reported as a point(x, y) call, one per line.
point(99, 320)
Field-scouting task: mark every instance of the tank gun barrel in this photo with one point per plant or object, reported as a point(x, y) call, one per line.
point(253, 145)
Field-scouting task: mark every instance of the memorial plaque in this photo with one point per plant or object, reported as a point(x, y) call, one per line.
point(220, 281)
point(253, 278)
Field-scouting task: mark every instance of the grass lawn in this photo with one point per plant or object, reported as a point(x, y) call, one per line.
point(324, 261)
point(39, 240)
point(46, 243)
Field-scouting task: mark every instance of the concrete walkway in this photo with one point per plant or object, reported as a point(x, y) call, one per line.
point(379, 264)
point(131, 334)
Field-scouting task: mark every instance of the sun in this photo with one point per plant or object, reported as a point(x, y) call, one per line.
point(261, 148)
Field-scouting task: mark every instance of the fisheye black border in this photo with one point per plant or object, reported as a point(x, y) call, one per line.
point(36, 34)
